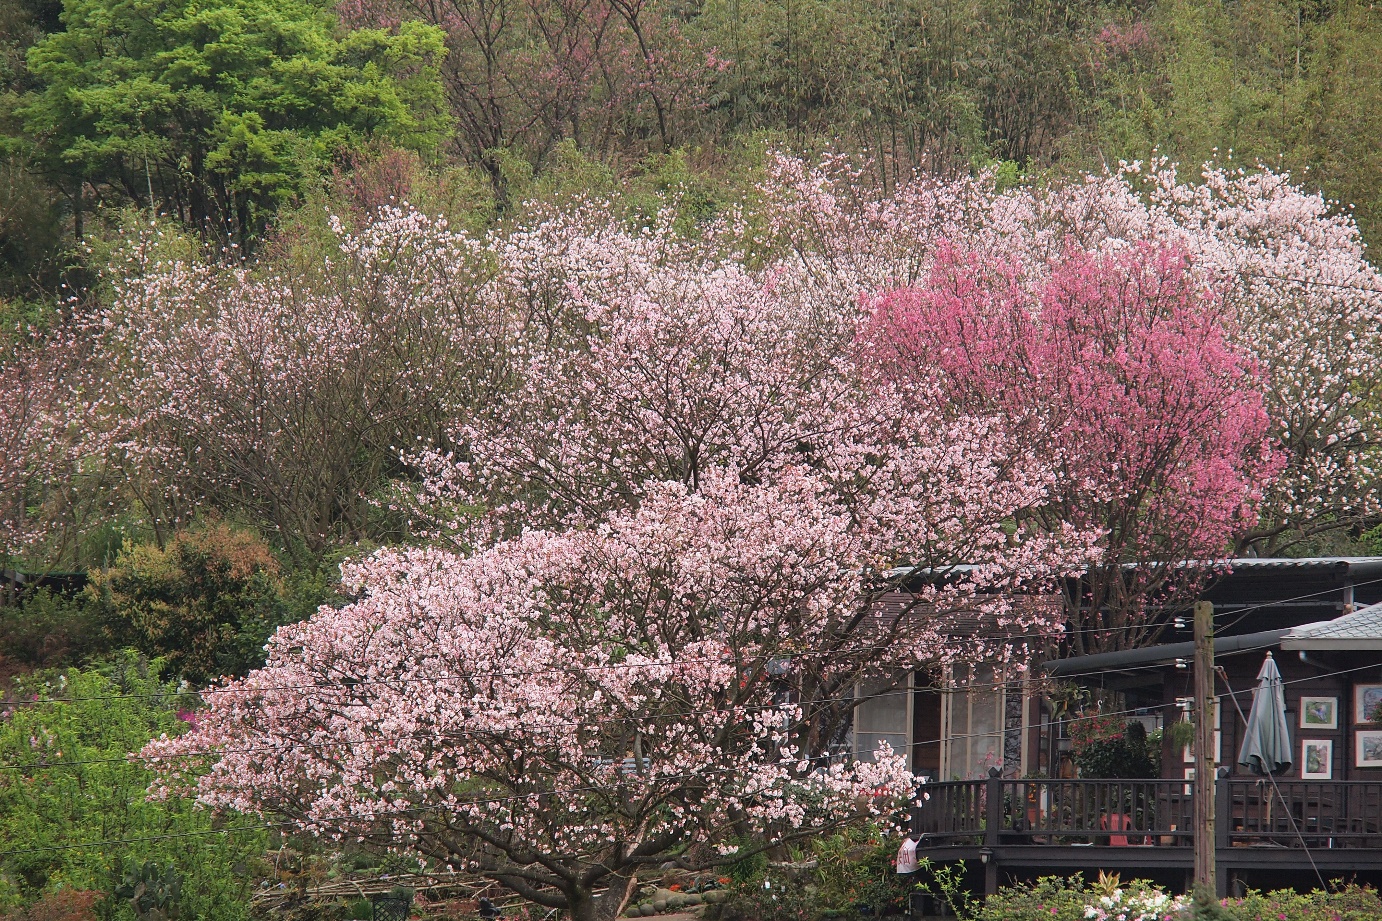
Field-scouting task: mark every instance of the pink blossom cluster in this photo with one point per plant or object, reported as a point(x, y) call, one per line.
point(288, 393)
point(1118, 373)
point(585, 699)
point(56, 433)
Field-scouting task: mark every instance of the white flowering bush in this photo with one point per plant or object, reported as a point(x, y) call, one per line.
point(1138, 905)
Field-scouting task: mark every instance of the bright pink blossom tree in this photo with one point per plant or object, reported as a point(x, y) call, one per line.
point(1117, 372)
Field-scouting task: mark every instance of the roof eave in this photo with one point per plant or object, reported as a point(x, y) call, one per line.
point(1326, 643)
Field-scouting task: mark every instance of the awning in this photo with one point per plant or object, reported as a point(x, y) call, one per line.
point(1156, 655)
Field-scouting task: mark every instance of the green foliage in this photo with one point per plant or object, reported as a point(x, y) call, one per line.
point(1125, 754)
point(1050, 898)
point(1181, 734)
point(748, 872)
point(1286, 84)
point(776, 898)
point(152, 892)
point(1345, 903)
point(946, 884)
point(224, 110)
point(49, 630)
point(65, 780)
point(205, 603)
point(1055, 899)
point(859, 868)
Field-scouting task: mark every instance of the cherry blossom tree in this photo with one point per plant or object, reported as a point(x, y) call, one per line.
point(1119, 373)
point(55, 434)
point(562, 710)
point(287, 390)
point(1302, 299)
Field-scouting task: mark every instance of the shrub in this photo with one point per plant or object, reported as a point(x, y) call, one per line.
point(1055, 899)
point(857, 869)
point(1050, 898)
point(66, 782)
point(1348, 903)
point(62, 905)
point(49, 630)
point(1118, 753)
point(205, 603)
point(778, 899)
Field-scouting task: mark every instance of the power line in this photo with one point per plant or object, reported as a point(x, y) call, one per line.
point(1052, 635)
point(495, 800)
point(386, 815)
point(1232, 694)
point(528, 731)
point(1131, 711)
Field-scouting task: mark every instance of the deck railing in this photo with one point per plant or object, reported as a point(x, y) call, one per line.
point(1318, 813)
point(996, 812)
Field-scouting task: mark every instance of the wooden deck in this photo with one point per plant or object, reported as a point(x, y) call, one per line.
point(1022, 827)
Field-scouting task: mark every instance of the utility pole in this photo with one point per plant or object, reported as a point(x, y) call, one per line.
point(1205, 768)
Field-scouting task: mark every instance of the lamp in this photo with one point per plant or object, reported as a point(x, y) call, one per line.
point(984, 854)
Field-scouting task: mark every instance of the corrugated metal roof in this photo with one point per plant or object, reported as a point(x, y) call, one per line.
point(1319, 562)
point(1157, 655)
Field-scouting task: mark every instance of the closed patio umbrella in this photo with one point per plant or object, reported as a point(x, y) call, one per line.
point(1267, 740)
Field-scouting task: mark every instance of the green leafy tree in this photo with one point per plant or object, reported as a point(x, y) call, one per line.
point(220, 112)
point(67, 791)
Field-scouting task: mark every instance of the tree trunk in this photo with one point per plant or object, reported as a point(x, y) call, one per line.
point(607, 905)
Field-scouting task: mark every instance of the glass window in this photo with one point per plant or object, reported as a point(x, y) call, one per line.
point(884, 714)
point(972, 723)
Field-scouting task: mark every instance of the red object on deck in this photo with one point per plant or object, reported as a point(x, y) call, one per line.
point(1116, 822)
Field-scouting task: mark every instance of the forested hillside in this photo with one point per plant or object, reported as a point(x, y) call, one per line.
point(223, 114)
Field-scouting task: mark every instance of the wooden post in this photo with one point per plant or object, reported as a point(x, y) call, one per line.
point(1223, 800)
point(1204, 746)
point(993, 792)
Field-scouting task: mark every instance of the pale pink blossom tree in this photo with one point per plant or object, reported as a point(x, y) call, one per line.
point(286, 391)
point(563, 710)
point(56, 432)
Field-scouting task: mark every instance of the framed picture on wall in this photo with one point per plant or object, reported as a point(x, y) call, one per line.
point(1368, 748)
point(1367, 703)
point(1316, 759)
point(1319, 713)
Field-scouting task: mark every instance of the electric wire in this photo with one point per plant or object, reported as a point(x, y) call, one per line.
point(1054, 635)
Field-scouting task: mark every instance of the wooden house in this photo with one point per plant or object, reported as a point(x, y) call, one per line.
point(1002, 798)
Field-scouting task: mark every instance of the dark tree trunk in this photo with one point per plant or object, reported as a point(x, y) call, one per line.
point(607, 905)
